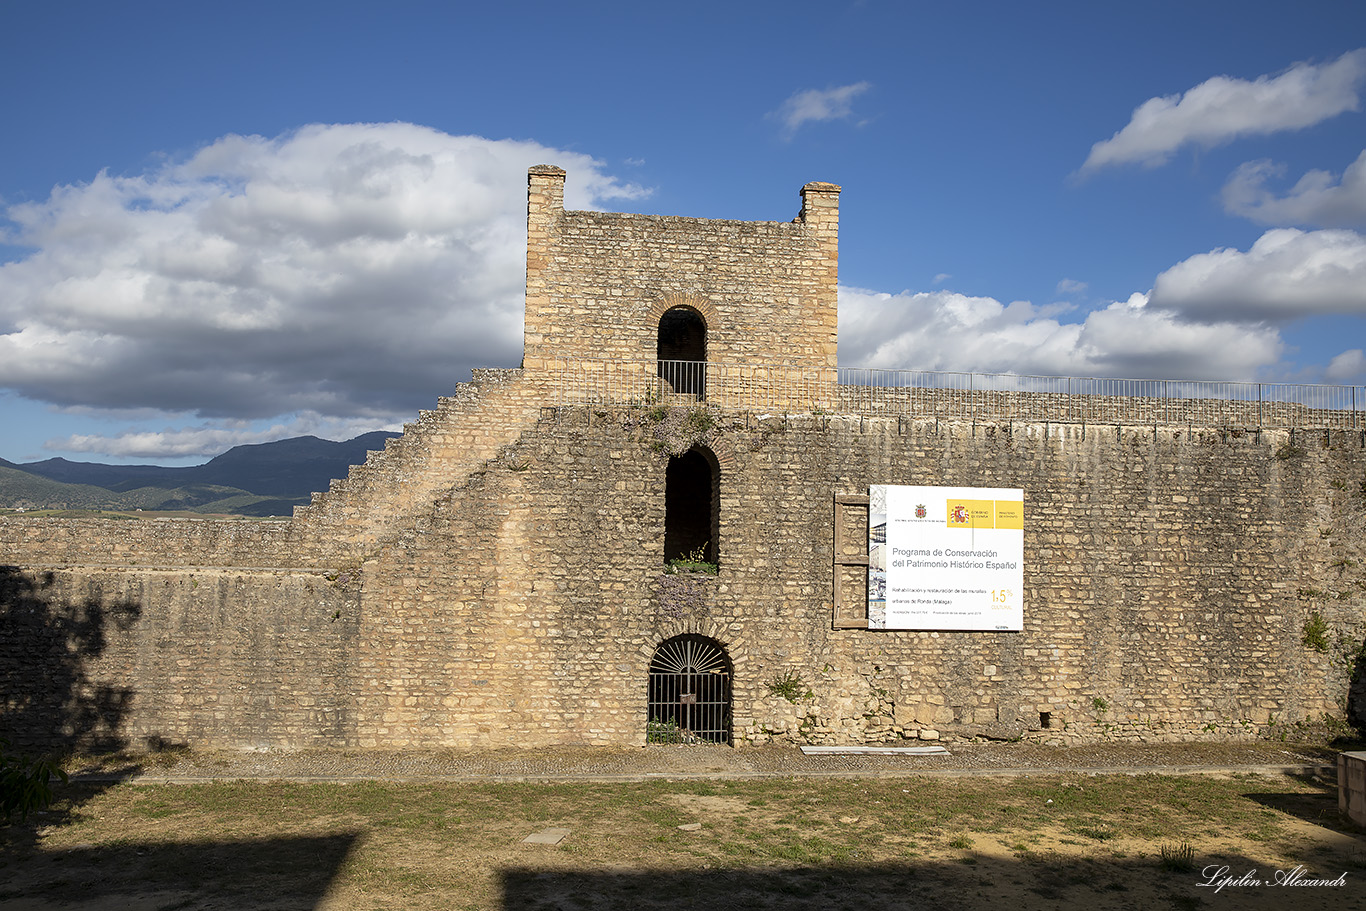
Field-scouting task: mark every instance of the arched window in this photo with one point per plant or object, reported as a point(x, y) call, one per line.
point(689, 692)
point(692, 506)
point(682, 351)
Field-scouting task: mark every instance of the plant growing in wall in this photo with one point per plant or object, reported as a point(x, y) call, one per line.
point(1314, 633)
point(695, 561)
point(1321, 636)
point(790, 686)
point(345, 577)
point(1290, 450)
point(511, 460)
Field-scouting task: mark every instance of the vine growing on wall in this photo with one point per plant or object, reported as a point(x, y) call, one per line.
point(345, 577)
point(674, 431)
point(683, 594)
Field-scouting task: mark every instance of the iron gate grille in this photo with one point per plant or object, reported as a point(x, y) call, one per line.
point(685, 377)
point(689, 692)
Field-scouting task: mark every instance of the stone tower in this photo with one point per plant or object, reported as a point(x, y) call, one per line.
point(606, 286)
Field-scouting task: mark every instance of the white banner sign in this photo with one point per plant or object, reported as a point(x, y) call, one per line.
point(945, 558)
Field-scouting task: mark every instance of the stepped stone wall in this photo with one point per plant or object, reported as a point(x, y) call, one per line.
point(441, 446)
point(495, 577)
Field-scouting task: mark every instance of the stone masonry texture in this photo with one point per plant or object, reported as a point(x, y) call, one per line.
point(495, 577)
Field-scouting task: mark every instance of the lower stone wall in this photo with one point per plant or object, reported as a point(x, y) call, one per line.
point(102, 658)
point(1169, 579)
point(1172, 583)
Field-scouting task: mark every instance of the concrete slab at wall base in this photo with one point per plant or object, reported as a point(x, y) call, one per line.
point(496, 576)
point(1352, 786)
point(873, 751)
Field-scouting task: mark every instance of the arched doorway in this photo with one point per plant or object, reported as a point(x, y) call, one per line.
point(682, 351)
point(689, 692)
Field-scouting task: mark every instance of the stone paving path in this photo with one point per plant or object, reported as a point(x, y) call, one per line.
point(704, 761)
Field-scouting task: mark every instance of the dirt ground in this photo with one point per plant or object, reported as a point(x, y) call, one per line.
point(697, 761)
point(648, 833)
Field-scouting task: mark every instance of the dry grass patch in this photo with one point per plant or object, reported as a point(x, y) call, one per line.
point(1046, 842)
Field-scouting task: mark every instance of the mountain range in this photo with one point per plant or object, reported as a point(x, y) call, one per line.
point(264, 479)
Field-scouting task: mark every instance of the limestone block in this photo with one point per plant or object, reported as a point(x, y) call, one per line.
point(907, 713)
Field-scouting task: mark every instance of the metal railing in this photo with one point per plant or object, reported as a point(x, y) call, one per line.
point(960, 396)
point(581, 381)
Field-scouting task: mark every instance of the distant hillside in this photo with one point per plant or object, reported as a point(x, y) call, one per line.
point(265, 479)
point(19, 488)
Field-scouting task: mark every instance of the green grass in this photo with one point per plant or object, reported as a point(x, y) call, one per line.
point(394, 844)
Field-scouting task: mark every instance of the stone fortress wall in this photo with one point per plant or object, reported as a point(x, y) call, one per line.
point(495, 577)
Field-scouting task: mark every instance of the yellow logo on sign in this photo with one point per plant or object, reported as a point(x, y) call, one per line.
point(971, 514)
point(986, 514)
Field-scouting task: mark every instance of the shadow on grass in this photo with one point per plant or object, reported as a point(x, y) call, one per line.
point(1042, 881)
point(22, 835)
point(289, 872)
point(1318, 806)
point(277, 872)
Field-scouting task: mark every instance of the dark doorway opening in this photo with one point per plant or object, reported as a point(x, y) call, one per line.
point(682, 351)
point(692, 500)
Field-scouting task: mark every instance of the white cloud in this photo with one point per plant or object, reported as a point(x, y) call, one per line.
point(1318, 198)
point(814, 105)
point(1069, 286)
point(941, 278)
point(351, 271)
point(1287, 274)
point(1223, 108)
point(943, 330)
point(1132, 339)
point(1349, 366)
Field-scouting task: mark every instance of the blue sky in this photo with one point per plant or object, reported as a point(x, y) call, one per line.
point(232, 224)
